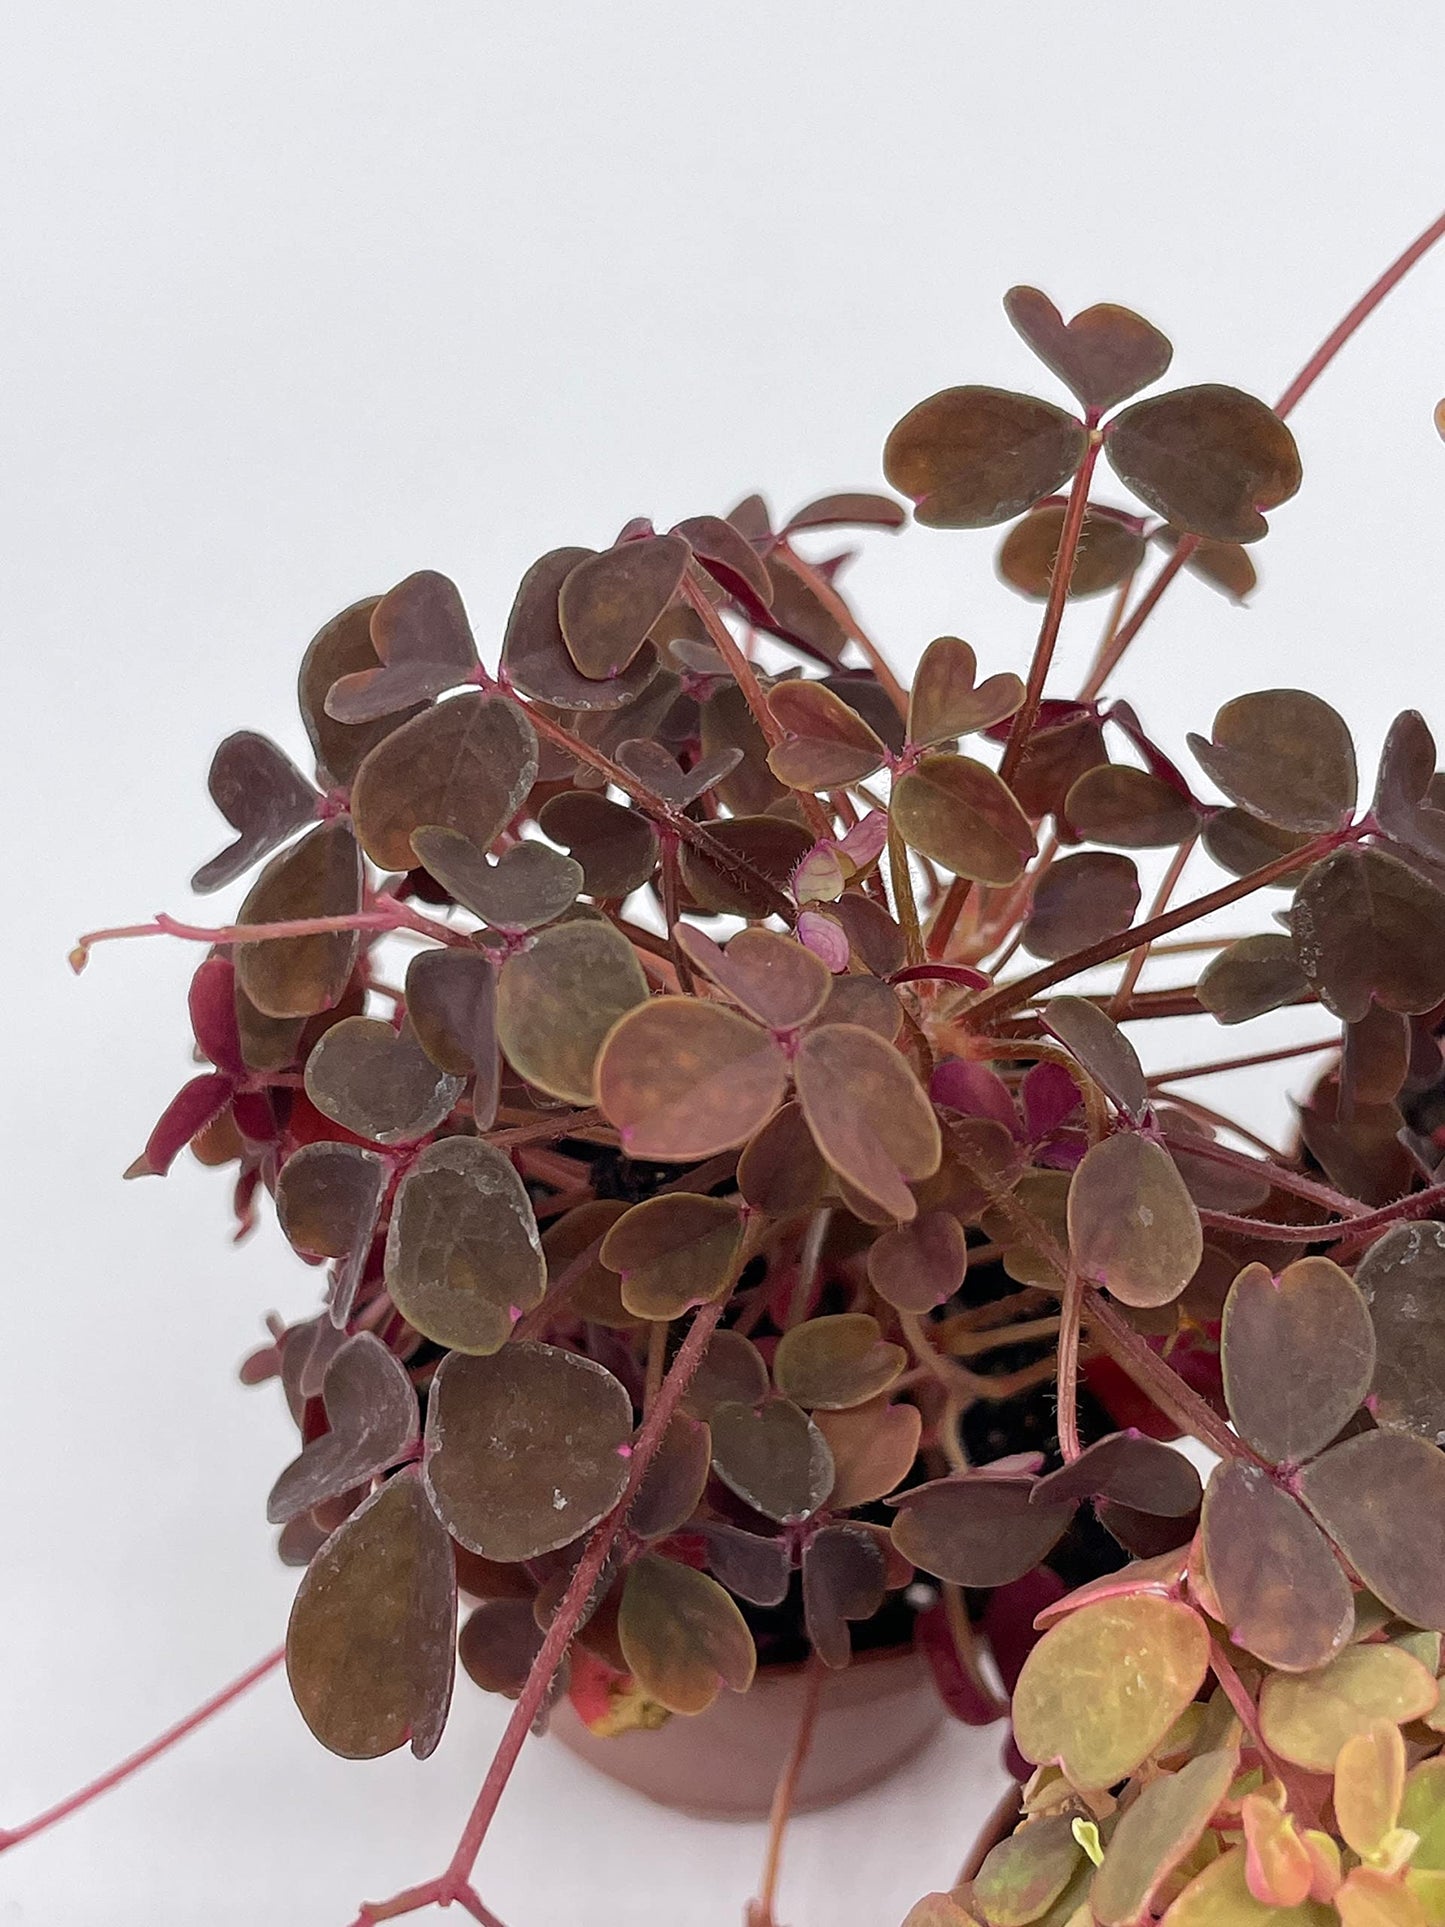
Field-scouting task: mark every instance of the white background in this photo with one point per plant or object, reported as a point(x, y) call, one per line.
point(301, 297)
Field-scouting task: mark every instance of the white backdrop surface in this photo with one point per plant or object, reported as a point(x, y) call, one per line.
point(299, 298)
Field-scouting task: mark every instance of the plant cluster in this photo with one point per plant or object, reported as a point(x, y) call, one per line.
point(722, 1235)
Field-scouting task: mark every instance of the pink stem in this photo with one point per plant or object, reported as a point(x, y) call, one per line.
point(12, 1836)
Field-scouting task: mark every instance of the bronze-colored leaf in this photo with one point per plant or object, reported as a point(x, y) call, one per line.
point(1105, 354)
point(1226, 566)
point(609, 602)
point(372, 1414)
point(1404, 806)
point(916, 1266)
point(498, 1644)
point(467, 764)
point(873, 1447)
point(525, 1448)
point(673, 1252)
point(370, 1644)
point(535, 654)
point(772, 1456)
point(451, 1001)
point(1110, 550)
point(683, 1637)
point(1078, 900)
point(836, 1361)
point(1381, 1498)
point(1028, 1875)
point(957, 812)
point(1277, 1581)
point(1402, 1278)
point(1116, 803)
point(948, 701)
point(342, 648)
point(1157, 1834)
point(727, 723)
point(1132, 1225)
point(798, 614)
point(529, 885)
point(781, 1171)
point(318, 877)
point(328, 1198)
point(682, 1079)
point(660, 770)
point(732, 1372)
point(423, 644)
point(262, 795)
point(1308, 1717)
point(1065, 742)
point(1250, 977)
point(1102, 1049)
point(851, 508)
point(1298, 1353)
point(1208, 458)
point(773, 977)
point(1239, 843)
point(673, 1484)
point(616, 847)
point(971, 457)
point(1367, 926)
point(977, 1528)
point(876, 939)
point(595, 1294)
point(463, 1259)
point(845, 1577)
point(730, 559)
point(868, 1113)
point(378, 1082)
point(827, 745)
point(1285, 755)
point(558, 1000)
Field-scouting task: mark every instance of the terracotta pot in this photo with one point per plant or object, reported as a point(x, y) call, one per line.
point(723, 1764)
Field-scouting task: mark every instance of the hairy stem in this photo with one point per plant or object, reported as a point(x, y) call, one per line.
point(12, 1836)
point(1119, 1002)
point(1165, 1387)
point(1027, 713)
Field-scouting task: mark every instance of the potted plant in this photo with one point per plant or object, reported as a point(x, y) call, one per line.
point(770, 1310)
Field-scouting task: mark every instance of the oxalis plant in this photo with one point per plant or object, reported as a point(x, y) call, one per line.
point(733, 1248)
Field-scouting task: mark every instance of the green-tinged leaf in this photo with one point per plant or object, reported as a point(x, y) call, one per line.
point(525, 1450)
point(772, 1456)
point(957, 812)
point(836, 1361)
point(673, 1252)
point(683, 1079)
point(318, 877)
point(1298, 1352)
point(558, 1001)
point(1023, 1876)
point(1422, 1812)
point(1307, 1717)
point(971, 457)
point(369, 1647)
point(463, 1259)
point(1369, 1786)
point(683, 1637)
point(1220, 1897)
point(378, 1082)
point(1133, 1227)
point(1102, 1687)
point(732, 1372)
point(1155, 1834)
